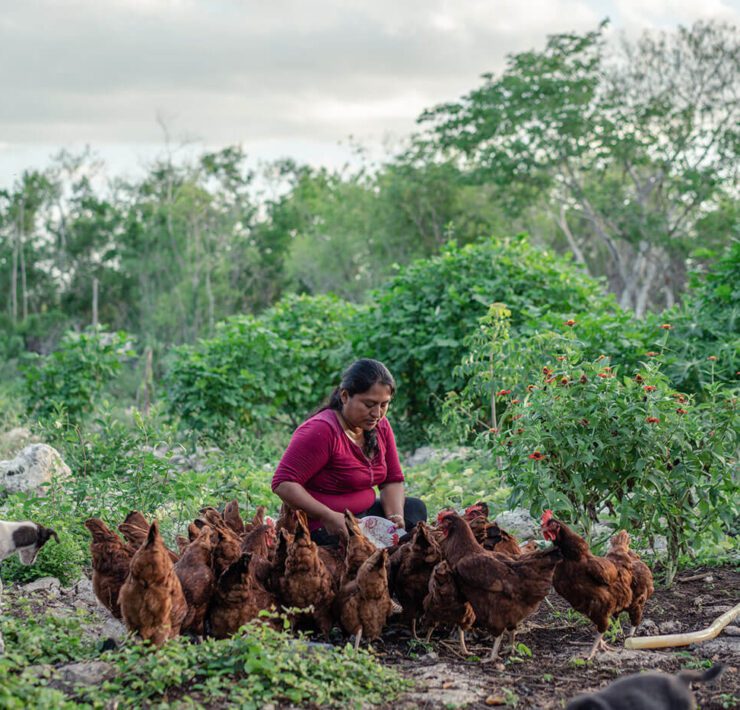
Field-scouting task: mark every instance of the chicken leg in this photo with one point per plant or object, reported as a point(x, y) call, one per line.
point(463, 647)
point(599, 645)
point(495, 649)
point(413, 629)
point(432, 629)
point(358, 636)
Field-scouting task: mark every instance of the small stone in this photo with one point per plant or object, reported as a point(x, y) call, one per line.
point(647, 628)
point(431, 656)
point(495, 700)
point(87, 673)
point(43, 584)
point(670, 627)
point(114, 629)
point(732, 630)
point(83, 592)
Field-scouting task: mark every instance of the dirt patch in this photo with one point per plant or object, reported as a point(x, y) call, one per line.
point(555, 635)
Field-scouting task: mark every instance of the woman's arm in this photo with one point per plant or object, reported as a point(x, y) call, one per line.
point(392, 498)
point(296, 496)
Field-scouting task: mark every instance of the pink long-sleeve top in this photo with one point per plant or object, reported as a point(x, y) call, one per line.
point(333, 469)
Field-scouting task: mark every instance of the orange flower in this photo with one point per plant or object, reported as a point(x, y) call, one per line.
point(519, 431)
point(649, 388)
point(652, 354)
point(584, 422)
point(563, 380)
point(666, 326)
point(503, 393)
point(537, 456)
point(531, 387)
point(546, 371)
point(604, 375)
point(600, 358)
point(680, 397)
point(652, 420)
point(515, 401)
point(570, 323)
point(680, 410)
point(549, 380)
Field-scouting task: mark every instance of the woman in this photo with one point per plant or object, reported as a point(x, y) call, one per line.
point(337, 456)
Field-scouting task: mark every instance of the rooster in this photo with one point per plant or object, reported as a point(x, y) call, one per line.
point(598, 587)
point(502, 591)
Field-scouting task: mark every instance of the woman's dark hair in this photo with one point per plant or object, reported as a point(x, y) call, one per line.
point(359, 377)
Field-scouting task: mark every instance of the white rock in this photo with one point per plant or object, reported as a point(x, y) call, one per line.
point(427, 454)
point(43, 584)
point(83, 592)
point(519, 523)
point(113, 629)
point(32, 467)
point(14, 440)
point(87, 673)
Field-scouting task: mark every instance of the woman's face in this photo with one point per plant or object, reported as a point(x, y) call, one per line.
point(366, 409)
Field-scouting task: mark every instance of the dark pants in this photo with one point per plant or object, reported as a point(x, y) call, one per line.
point(414, 510)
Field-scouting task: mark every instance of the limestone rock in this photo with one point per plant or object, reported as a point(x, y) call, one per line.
point(428, 454)
point(43, 584)
point(519, 523)
point(31, 468)
point(86, 673)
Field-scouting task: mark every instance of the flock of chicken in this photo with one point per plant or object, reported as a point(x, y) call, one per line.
point(463, 572)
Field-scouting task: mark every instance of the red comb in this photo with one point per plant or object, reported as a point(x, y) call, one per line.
point(442, 515)
point(546, 517)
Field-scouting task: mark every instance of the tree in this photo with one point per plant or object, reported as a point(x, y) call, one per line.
point(629, 149)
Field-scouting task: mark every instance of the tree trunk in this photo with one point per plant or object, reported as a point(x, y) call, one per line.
point(95, 302)
point(21, 251)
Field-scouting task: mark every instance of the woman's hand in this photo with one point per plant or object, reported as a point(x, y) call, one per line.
point(334, 524)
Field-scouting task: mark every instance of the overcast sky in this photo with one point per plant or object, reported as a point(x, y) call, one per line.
point(282, 77)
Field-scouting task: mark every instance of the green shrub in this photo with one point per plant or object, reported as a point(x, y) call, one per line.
point(418, 323)
point(261, 372)
point(577, 436)
point(704, 343)
point(249, 670)
point(74, 375)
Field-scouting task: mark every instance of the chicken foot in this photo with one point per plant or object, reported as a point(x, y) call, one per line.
point(494, 651)
point(432, 629)
point(413, 629)
point(599, 645)
point(358, 637)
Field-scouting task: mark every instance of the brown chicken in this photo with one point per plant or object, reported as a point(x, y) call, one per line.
point(307, 582)
point(182, 543)
point(257, 520)
point(276, 571)
point(237, 599)
point(152, 601)
point(411, 567)
point(135, 529)
point(260, 542)
point(364, 603)
point(286, 520)
point(111, 559)
point(598, 587)
point(502, 591)
point(233, 518)
point(194, 569)
point(228, 548)
point(642, 589)
point(359, 548)
point(489, 534)
point(444, 605)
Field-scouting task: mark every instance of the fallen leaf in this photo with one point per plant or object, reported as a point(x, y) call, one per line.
point(495, 700)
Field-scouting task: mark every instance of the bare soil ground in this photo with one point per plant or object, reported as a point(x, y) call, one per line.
point(555, 635)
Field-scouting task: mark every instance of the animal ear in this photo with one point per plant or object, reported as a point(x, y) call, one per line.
point(25, 535)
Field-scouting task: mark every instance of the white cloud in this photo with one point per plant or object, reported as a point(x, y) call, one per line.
point(284, 72)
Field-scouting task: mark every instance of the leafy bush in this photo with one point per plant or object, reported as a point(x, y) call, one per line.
point(576, 437)
point(418, 323)
point(74, 374)
point(261, 371)
point(704, 342)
